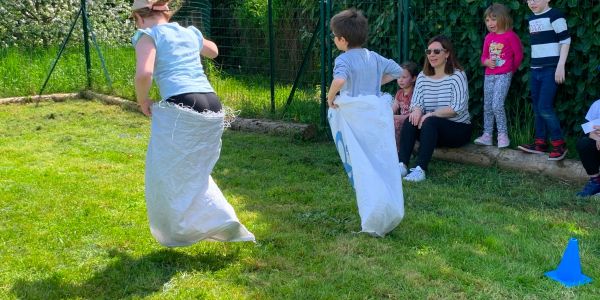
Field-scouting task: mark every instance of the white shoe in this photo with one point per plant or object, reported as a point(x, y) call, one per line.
point(416, 174)
point(403, 170)
point(484, 140)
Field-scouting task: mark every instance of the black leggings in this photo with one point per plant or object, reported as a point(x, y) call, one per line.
point(435, 132)
point(589, 155)
point(199, 102)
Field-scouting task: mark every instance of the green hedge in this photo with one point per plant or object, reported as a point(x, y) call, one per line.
point(462, 21)
point(453, 18)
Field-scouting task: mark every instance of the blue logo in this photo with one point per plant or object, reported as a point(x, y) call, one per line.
point(345, 155)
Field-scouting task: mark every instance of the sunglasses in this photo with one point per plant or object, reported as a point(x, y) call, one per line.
point(332, 35)
point(434, 51)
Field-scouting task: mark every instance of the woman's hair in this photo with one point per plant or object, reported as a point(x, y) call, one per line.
point(150, 11)
point(502, 15)
point(351, 25)
point(411, 67)
point(451, 63)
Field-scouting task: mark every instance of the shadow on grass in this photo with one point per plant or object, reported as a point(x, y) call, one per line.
point(125, 276)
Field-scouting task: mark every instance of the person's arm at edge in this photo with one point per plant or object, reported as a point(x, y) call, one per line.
point(559, 77)
point(209, 49)
point(145, 54)
point(391, 70)
point(387, 78)
point(518, 52)
point(336, 86)
point(562, 31)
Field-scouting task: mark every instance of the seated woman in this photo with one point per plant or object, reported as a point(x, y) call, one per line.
point(439, 109)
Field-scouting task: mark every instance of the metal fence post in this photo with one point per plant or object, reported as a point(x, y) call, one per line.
point(272, 55)
point(399, 34)
point(405, 29)
point(323, 63)
point(86, 44)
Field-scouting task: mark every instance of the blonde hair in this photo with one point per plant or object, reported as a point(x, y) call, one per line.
point(502, 14)
point(146, 12)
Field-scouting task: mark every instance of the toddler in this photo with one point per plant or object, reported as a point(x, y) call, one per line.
point(401, 103)
point(502, 54)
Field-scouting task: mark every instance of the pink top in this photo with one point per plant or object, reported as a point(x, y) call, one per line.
point(401, 102)
point(505, 49)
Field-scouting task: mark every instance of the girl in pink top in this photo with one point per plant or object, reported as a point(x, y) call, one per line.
point(502, 55)
point(401, 103)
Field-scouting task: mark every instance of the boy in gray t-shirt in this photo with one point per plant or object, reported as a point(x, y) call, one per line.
point(361, 121)
point(357, 71)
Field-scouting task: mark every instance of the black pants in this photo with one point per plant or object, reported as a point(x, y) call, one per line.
point(197, 101)
point(435, 132)
point(589, 155)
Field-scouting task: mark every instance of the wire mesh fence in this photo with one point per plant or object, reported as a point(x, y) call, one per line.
point(275, 56)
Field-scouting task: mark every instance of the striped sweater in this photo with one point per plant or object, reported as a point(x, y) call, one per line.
point(547, 31)
point(451, 91)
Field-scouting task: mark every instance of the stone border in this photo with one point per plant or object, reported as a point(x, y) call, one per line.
point(486, 156)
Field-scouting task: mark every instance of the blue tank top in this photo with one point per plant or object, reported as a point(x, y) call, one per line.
point(177, 67)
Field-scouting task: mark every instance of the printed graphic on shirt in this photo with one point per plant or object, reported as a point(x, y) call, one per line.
point(496, 54)
point(538, 25)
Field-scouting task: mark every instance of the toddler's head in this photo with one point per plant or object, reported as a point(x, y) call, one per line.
point(497, 18)
point(409, 75)
point(350, 25)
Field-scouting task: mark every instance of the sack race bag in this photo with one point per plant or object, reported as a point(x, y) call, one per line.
point(363, 131)
point(184, 204)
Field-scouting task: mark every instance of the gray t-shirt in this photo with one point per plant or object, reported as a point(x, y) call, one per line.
point(363, 70)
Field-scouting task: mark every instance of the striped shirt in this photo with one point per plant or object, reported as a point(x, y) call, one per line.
point(451, 91)
point(547, 31)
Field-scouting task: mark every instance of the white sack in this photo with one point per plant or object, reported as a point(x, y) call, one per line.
point(184, 204)
point(363, 131)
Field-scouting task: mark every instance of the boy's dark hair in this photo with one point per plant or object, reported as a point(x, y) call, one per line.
point(352, 25)
point(451, 64)
point(502, 15)
point(411, 67)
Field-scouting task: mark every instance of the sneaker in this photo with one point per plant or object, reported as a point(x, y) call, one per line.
point(538, 147)
point(591, 188)
point(559, 150)
point(416, 174)
point(503, 140)
point(403, 171)
point(484, 140)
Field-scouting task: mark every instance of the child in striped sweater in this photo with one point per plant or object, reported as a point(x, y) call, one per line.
point(550, 42)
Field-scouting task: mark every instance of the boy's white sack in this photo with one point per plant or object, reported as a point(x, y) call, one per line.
point(363, 131)
point(184, 204)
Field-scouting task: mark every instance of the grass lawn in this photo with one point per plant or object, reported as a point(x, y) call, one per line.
point(73, 222)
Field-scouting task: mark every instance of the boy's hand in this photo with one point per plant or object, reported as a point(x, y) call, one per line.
point(330, 102)
point(595, 135)
point(559, 76)
point(489, 63)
